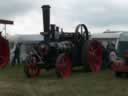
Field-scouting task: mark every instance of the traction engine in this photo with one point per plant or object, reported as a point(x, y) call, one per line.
point(63, 50)
point(4, 46)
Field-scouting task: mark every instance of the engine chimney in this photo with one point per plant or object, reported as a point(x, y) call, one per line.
point(46, 17)
point(57, 29)
point(53, 30)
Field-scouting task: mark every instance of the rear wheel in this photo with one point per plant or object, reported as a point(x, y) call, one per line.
point(92, 56)
point(95, 55)
point(63, 66)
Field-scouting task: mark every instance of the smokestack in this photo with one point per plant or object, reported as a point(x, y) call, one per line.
point(53, 29)
point(57, 29)
point(46, 17)
point(62, 30)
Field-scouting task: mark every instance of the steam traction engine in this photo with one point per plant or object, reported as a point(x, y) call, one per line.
point(63, 50)
point(4, 46)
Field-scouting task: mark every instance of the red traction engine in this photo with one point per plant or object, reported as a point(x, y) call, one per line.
point(63, 50)
point(4, 46)
point(120, 65)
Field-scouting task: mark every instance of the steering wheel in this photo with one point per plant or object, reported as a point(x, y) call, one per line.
point(81, 32)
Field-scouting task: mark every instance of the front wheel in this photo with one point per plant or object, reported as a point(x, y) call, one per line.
point(31, 69)
point(64, 65)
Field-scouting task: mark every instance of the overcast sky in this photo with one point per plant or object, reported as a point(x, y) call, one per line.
point(98, 15)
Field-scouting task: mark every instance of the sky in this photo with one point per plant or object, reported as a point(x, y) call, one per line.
point(97, 15)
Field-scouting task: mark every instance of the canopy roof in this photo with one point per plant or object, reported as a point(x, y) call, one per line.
point(2, 21)
point(107, 35)
point(124, 36)
point(26, 38)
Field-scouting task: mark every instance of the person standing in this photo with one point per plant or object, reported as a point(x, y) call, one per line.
point(16, 58)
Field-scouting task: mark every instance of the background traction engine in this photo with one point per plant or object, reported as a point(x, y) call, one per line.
point(63, 50)
point(4, 46)
point(120, 62)
point(4, 52)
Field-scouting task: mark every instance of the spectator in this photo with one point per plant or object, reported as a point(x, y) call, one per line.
point(16, 58)
point(112, 56)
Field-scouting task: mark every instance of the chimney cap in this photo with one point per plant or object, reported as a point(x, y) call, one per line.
point(45, 6)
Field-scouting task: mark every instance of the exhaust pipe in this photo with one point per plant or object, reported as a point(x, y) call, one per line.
point(46, 17)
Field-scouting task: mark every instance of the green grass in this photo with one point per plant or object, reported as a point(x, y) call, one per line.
point(14, 83)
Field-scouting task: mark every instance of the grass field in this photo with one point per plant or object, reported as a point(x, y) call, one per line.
point(14, 83)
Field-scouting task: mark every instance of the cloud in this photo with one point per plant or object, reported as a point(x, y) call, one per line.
point(99, 12)
point(31, 23)
point(13, 8)
point(95, 14)
point(98, 15)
